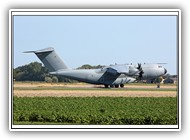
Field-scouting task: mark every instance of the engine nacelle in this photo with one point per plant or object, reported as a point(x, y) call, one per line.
point(133, 71)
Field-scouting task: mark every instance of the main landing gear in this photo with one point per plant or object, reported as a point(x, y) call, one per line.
point(116, 86)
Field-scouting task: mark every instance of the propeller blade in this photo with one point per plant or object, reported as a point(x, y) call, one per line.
point(139, 67)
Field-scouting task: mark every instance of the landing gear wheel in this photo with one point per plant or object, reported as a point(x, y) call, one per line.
point(116, 86)
point(111, 86)
point(106, 86)
point(122, 85)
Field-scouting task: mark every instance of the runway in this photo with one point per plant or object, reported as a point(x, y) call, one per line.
point(32, 89)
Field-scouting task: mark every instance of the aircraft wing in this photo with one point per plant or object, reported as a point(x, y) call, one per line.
point(118, 69)
point(113, 72)
point(122, 69)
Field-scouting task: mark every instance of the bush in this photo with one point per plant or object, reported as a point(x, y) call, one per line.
point(54, 79)
point(48, 79)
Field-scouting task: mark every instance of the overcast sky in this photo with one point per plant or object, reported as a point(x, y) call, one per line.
point(98, 40)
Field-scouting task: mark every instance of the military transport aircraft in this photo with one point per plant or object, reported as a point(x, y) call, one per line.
point(109, 76)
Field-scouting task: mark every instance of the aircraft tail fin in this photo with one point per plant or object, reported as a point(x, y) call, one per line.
point(50, 59)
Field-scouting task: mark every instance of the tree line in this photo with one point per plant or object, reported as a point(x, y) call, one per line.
point(35, 71)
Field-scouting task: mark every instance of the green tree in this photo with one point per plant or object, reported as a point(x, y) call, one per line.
point(87, 66)
point(31, 72)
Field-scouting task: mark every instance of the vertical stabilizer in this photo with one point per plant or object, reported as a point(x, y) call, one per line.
point(50, 59)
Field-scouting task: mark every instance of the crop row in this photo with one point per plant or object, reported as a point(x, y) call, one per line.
point(95, 110)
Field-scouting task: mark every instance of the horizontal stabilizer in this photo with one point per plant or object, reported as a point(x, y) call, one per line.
point(41, 51)
point(29, 52)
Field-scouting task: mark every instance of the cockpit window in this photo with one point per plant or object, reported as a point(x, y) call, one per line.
point(159, 66)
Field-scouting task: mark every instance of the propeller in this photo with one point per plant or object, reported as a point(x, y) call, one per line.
point(139, 67)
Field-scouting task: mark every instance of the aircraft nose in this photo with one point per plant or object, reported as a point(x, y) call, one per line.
point(165, 71)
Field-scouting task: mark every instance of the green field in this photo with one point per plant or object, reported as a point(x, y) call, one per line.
point(95, 110)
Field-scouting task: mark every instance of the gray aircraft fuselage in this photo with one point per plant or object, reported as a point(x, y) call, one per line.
point(95, 76)
point(113, 75)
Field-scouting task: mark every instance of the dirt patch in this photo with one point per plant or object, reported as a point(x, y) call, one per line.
point(84, 85)
point(84, 93)
point(91, 93)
